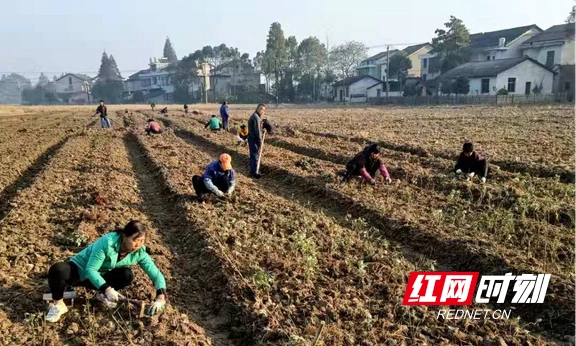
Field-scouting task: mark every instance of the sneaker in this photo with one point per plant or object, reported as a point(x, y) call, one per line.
point(55, 311)
point(107, 304)
point(256, 175)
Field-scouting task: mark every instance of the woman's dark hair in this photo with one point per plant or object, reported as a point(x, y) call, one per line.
point(224, 102)
point(242, 126)
point(468, 147)
point(373, 148)
point(101, 100)
point(149, 120)
point(131, 228)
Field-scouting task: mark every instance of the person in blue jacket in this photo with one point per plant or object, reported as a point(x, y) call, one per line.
point(104, 266)
point(224, 114)
point(219, 179)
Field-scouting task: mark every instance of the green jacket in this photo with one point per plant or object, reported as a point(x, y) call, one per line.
point(102, 256)
point(214, 123)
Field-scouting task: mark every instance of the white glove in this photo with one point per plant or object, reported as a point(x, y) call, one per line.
point(219, 194)
point(471, 175)
point(373, 182)
point(388, 180)
point(482, 180)
point(458, 171)
point(111, 294)
point(156, 307)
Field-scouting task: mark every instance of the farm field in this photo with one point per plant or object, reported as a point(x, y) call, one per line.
point(295, 252)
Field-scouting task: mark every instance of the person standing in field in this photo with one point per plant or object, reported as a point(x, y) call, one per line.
point(153, 127)
point(255, 138)
point(103, 111)
point(104, 266)
point(471, 163)
point(224, 114)
point(365, 164)
point(152, 105)
point(186, 108)
point(219, 179)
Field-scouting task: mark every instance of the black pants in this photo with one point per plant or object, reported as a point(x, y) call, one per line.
point(64, 274)
point(480, 168)
point(201, 189)
point(149, 131)
point(352, 169)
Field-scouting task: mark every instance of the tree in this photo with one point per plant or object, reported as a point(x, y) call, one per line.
point(346, 56)
point(114, 68)
point(182, 75)
point(399, 66)
point(276, 54)
point(109, 81)
point(311, 61)
point(105, 71)
point(452, 44)
point(43, 80)
point(169, 51)
point(11, 87)
point(461, 86)
point(571, 16)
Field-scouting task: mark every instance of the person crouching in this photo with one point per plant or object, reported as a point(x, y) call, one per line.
point(219, 179)
point(365, 164)
point(471, 163)
point(153, 127)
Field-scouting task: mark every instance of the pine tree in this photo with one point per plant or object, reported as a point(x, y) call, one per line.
point(114, 68)
point(43, 80)
point(105, 71)
point(169, 51)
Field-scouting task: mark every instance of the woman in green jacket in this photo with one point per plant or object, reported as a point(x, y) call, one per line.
point(103, 265)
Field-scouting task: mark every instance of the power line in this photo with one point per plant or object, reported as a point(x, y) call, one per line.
point(394, 44)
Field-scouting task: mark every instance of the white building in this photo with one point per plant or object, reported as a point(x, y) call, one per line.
point(485, 46)
point(375, 66)
point(154, 82)
point(518, 76)
point(74, 88)
point(358, 89)
point(555, 48)
point(233, 77)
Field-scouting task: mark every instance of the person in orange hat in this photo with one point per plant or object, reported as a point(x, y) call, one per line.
point(219, 178)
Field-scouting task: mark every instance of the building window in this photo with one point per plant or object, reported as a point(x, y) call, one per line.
point(69, 80)
point(550, 58)
point(488, 58)
point(347, 91)
point(566, 86)
point(493, 57)
point(154, 80)
point(528, 88)
point(485, 86)
point(425, 63)
point(424, 77)
point(511, 85)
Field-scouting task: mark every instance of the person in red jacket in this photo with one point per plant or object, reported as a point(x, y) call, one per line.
point(471, 163)
point(365, 164)
point(153, 127)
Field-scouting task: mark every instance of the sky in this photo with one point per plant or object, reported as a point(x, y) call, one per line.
point(70, 35)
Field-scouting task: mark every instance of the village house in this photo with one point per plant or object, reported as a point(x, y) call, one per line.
point(555, 48)
point(74, 88)
point(234, 77)
point(357, 89)
point(518, 76)
point(485, 46)
point(153, 83)
point(375, 66)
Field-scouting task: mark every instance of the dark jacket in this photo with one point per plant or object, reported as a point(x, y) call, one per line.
point(102, 110)
point(214, 175)
point(255, 128)
point(470, 163)
point(224, 112)
point(364, 165)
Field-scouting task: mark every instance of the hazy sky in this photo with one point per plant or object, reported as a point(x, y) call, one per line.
point(70, 35)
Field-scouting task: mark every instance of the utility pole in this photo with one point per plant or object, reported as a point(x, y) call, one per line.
point(387, 68)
